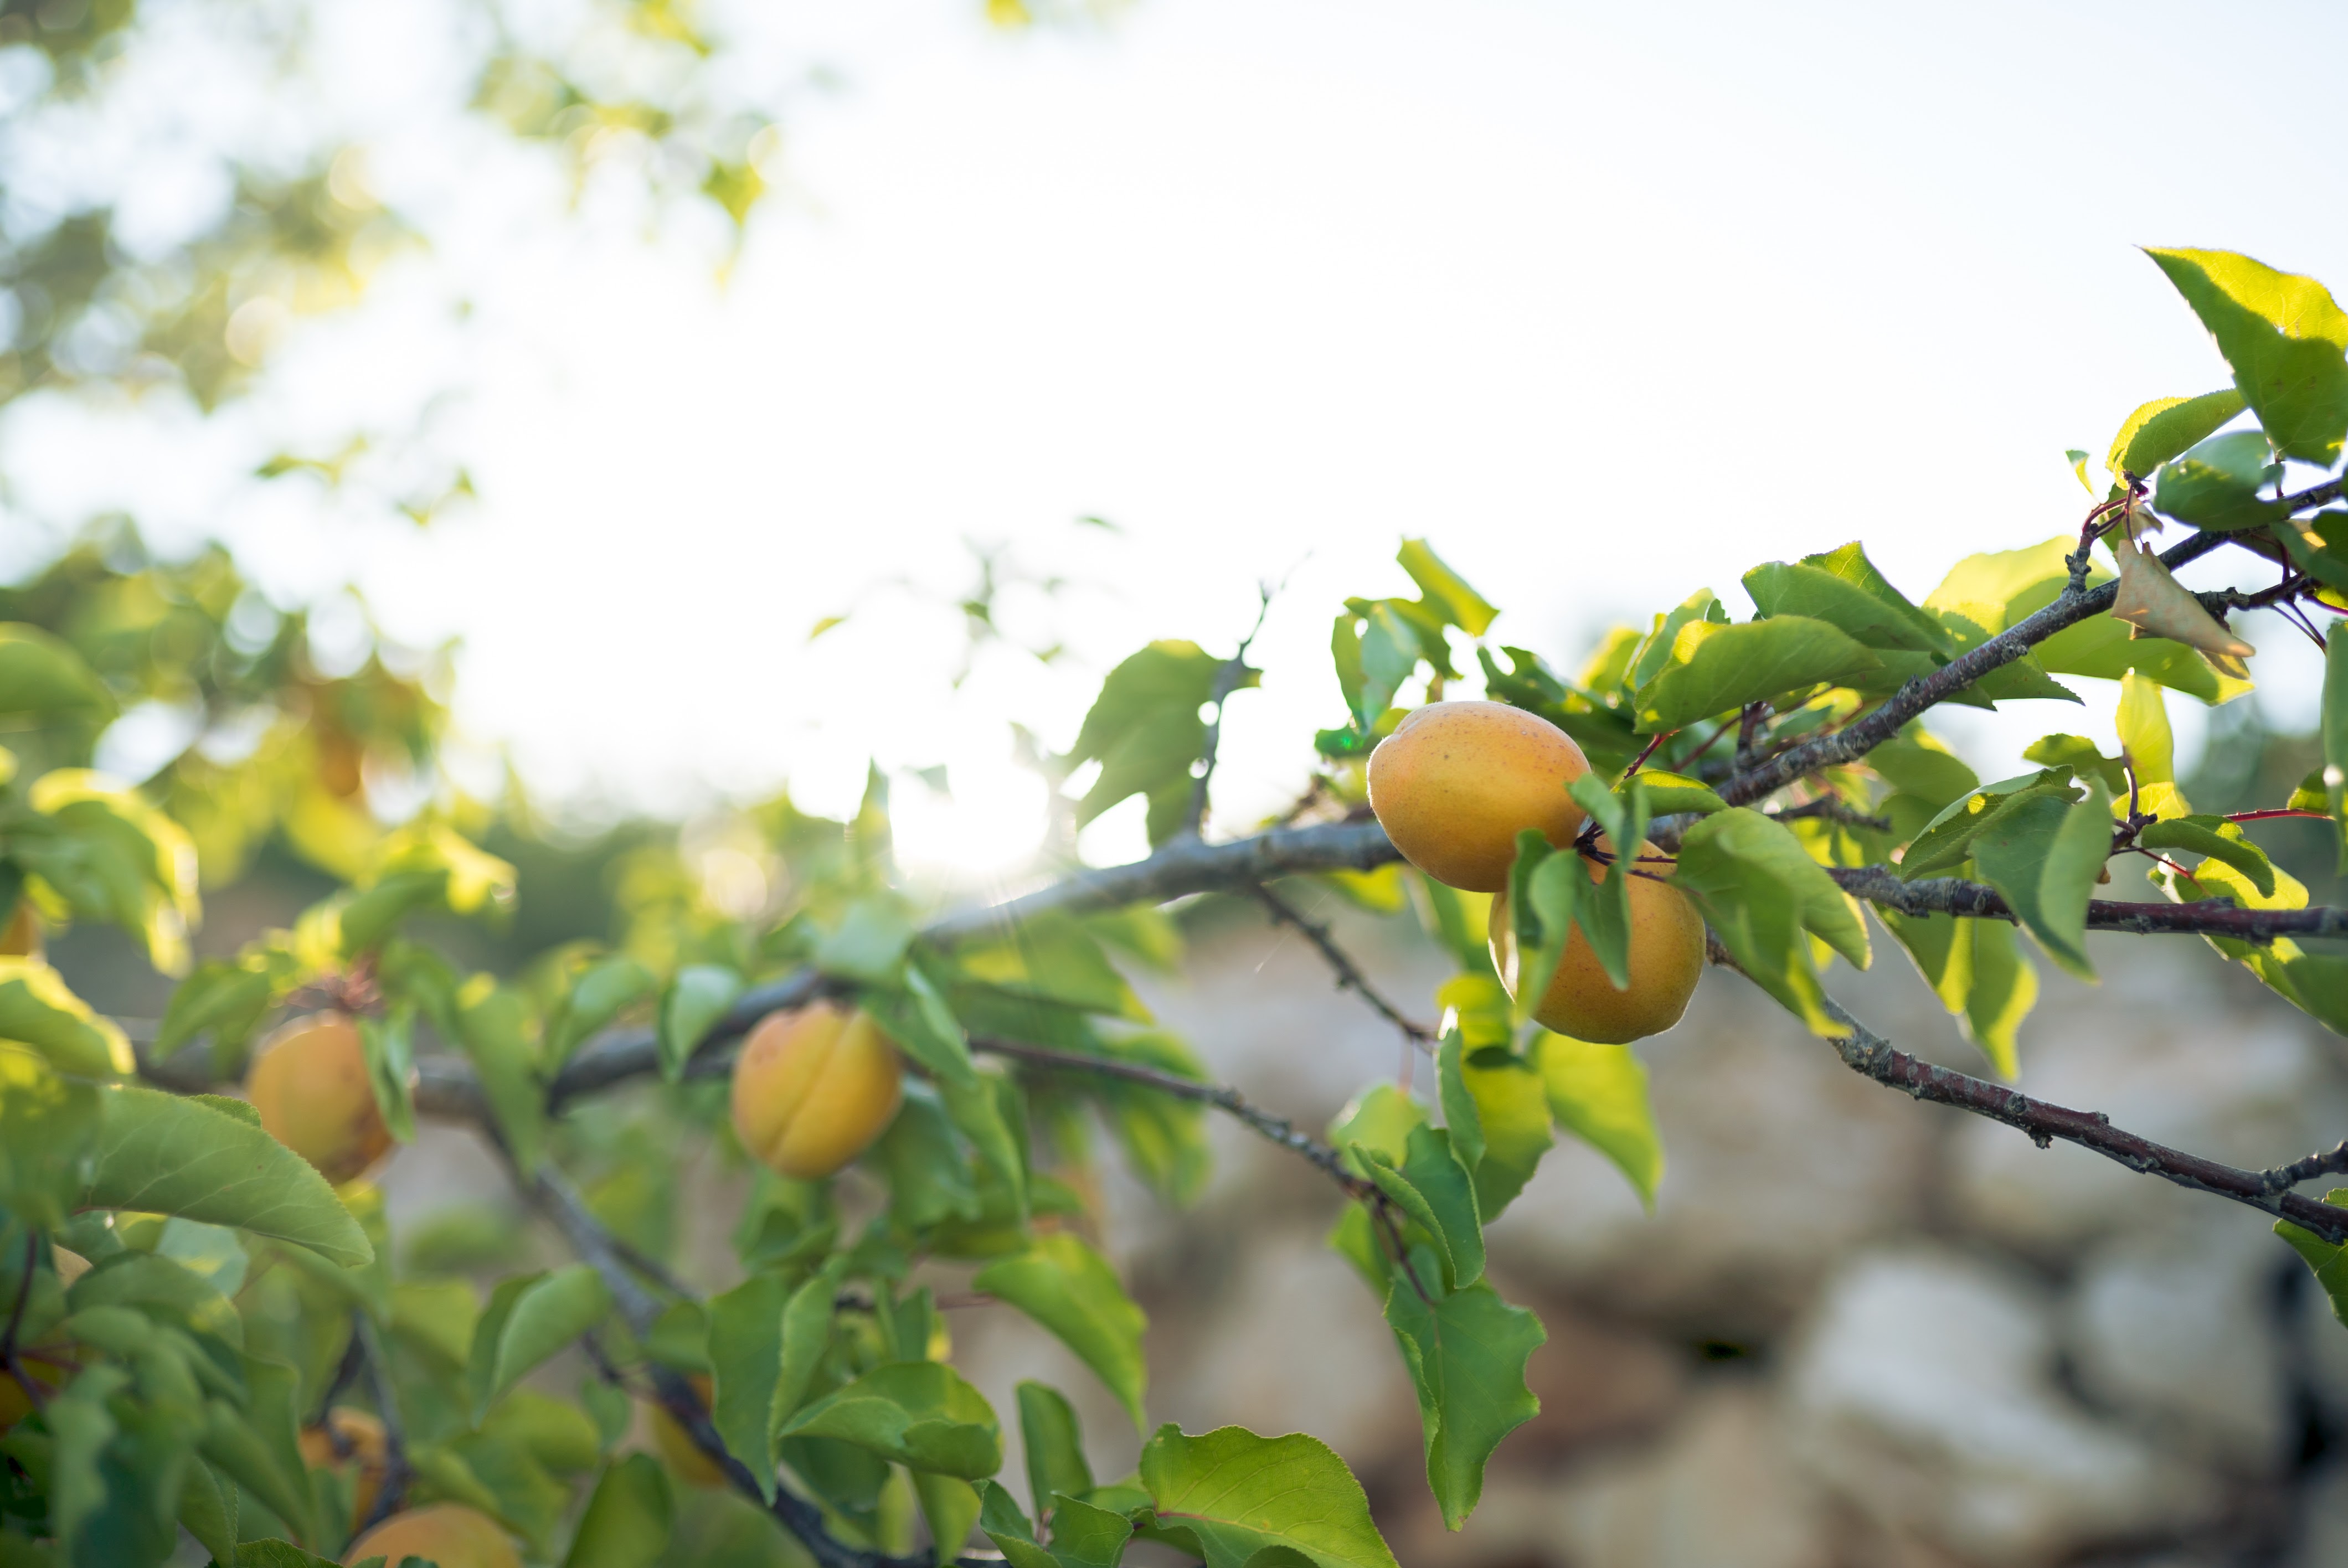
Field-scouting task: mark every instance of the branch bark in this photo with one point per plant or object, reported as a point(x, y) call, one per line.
point(1880, 885)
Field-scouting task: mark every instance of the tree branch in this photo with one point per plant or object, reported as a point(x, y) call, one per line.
point(1349, 975)
point(600, 1250)
point(1880, 885)
point(1277, 1129)
point(1863, 735)
point(397, 1472)
point(1183, 865)
point(1872, 1056)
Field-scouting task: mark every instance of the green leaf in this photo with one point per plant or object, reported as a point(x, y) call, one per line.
point(274, 1553)
point(39, 1009)
point(2216, 838)
point(389, 1047)
point(162, 1285)
point(527, 1322)
point(1010, 1530)
point(870, 942)
point(2284, 339)
point(1670, 794)
point(1164, 1138)
point(1379, 1121)
point(1548, 890)
point(1053, 959)
point(1916, 764)
point(80, 1426)
point(929, 1176)
point(594, 999)
point(2079, 755)
point(1054, 1444)
point(1233, 1498)
point(48, 1124)
point(1765, 898)
point(1070, 1289)
point(2329, 1261)
point(1717, 668)
point(1653, 651)
point(1599, 1093)
point(920, 1414)
point(2217, 483)
point(2165, 426)
point(745, 1349)
point(1977, 969)
point(207, 1507)
point(628, 1517)
point(1465, 1352)
point(1850, 564)
point(695, 1000)
point(163, 1153)
point(919, 1024)
point(1780, 590)
point(1144, 728)
point(1446, 591)
point(227, 999)
point(1946, 843)
point(950, 1507)
point(2044, 853)
point(1509, 1108)
point(1431, 1186)
point(2147, 742)
point(494, 1026)
point(42, 678)
point(806, 1336)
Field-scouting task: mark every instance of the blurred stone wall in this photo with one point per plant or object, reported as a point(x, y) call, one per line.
point(1855, 1332)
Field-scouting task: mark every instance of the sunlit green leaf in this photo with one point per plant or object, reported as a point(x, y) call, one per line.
point(915, 1413)
point(2284, 339)
point(2329, 1261)
point(2165, 426)
point(1717, 668)
point(37, 1009)
point(1054, 1444)
point(1444, 589)
point(2217, 484)
point(2042, 853)
point(1765, 898)
point(1599, 1093)
point(695, 1000)
point(1429, 1185)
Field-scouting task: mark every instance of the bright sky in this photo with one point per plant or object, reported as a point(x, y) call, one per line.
point(1609, 303)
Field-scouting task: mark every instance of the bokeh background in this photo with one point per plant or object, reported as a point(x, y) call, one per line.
point(554, 370)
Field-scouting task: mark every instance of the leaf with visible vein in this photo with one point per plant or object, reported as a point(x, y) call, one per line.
point(1228, 1495)
point(1466, 1353)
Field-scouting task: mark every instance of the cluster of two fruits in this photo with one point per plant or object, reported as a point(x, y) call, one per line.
point(1454, 786)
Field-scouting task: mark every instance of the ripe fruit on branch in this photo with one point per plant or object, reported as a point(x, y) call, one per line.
point(1456, 782)
point(813, 1087)
point(447, 1534)
point(309, 1081)
point(1667, 959)
point(349, 1437)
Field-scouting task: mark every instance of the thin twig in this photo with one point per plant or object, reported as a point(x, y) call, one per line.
point(1279, 1130)
point(1349, 974)
point(1748, 729)
point(1868, 1053)
point(1227, 680)
point(1881, 886)
point(1833, 808)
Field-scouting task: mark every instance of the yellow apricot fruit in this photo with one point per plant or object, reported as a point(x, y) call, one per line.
point(1456, 782)
point(447, 1534)
point(686, 1459)
point(813, 1087)
point(1667, 959)
point(309, 1081)
point(349, 1437)
point(22, 940)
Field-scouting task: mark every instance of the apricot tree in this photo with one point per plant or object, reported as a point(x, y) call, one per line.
point(202, 1333)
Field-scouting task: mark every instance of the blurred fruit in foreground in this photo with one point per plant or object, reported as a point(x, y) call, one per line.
point(1456, 782)
point(309, 1081)
point(447, 1534)
point(22, 940)
point(813, 1087)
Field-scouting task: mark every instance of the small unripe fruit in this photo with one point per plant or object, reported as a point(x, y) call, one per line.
point(349, 1437)
point(1456, 782)
point(447, 1534)
point(309, 1081)
point(1667, 959)
point(686, 1459)
point(813, 1087)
